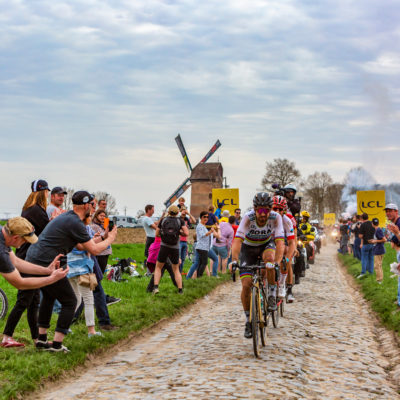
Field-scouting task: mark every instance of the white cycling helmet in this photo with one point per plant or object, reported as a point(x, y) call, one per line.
point(290, 187)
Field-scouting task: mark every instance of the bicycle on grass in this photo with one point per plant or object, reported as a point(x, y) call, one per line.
point(3, 304)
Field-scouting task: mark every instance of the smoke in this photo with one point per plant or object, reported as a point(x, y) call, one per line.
point(359, 179)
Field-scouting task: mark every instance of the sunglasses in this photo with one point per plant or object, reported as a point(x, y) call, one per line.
point(277, 209)
point(204, 216)
point(92, 203)
point(263, 210)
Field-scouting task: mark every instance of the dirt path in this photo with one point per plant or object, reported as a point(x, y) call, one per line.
point(325, 347)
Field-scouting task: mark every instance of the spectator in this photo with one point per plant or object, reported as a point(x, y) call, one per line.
point(181, 203)
point(218, 213)
point(169, 230)
point(60, 236)
point(212, 220)
point(225, 216)
point(367, 232)
point(154, 249)
point(222, 246)
point(98, 228)
point(34, 210)
point(188, 220)
point(150, 228)
point(344, 237)
point(56, 201)
point(379, 249)
point(80, 263)
point(238, 216)
point(15, 233)
point(102, 204)
point(357, 240)
point(203, 245)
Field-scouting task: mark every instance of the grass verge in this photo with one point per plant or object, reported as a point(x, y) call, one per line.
point(382, 297)
point(23, 370)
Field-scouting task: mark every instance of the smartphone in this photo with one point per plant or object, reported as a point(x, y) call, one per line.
point(110, 225)
point(63, 262)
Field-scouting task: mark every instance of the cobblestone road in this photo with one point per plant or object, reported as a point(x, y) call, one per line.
point(324, 348)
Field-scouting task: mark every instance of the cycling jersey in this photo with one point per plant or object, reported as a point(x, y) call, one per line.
point(254, 235)
point(293, 219)
point(288, 227)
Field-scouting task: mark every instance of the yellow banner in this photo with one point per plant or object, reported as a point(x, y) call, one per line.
point(228, 197)
point(329, 219)
point(372, 202)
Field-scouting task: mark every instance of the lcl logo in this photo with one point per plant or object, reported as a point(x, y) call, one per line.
point(366, 206)
point(225, 202)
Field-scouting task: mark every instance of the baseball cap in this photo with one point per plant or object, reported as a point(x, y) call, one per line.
point(174, 210)
point(22, 227)
point(39, 185)
point(82, 197)
point(391, 206)
point(58, 190)
point(375, 221)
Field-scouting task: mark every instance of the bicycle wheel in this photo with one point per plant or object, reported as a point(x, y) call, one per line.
point(282, 306)
point(275, 316)
point(3, 304)
point(255, 318)
point(264, 318)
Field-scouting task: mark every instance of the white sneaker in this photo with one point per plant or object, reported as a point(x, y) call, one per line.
point(282, 291)
point(290, 298)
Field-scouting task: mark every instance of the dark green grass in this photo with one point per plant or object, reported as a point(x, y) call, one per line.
point(23, 370)
point(381, 297)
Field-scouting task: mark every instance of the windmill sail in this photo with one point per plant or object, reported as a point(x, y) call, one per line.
point(178, 192)
point(181, 147)
point(211, 152)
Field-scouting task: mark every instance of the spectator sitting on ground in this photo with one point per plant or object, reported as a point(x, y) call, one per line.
point(60, 236)
point(379, 249)
point(169, 229)
point(56, 201)
point(34, 210)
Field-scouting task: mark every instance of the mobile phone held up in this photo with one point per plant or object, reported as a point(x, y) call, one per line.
point(110, 225)
point(63, 262)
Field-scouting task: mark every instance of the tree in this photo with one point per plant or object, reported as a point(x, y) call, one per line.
point(333, 198)
point(316, 190)
point(67, 204)
point(280, 171)
point(140, 213)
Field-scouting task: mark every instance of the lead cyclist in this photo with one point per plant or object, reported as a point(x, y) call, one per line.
point(260, 233)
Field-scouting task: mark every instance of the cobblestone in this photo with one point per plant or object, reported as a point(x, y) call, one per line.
point(325, 347)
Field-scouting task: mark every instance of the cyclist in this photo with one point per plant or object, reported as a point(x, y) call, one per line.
point(307, 230)
point(259, 233)
point(280, 205)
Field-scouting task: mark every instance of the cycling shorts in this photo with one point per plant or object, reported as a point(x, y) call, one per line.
point(249, 255)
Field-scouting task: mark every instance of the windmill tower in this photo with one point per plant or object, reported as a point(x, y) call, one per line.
point(203, 178)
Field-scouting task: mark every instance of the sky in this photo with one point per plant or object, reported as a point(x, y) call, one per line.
point(93, 93)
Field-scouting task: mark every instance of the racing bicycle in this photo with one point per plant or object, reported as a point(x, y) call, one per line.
point(3, 304)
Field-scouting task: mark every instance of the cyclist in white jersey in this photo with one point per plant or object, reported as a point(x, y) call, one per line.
point(260, 232)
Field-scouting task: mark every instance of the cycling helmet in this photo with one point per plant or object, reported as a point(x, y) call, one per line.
point(305, 214)
point(279, 201)
point(262, 199)
point(290, 187)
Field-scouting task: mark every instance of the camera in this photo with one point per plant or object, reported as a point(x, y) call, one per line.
point(63, 262)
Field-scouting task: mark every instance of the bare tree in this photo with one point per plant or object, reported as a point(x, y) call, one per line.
point(67, 204)
point(334, 202)
point(316, 190)
point(140, 213)
point(111, 202)
point(280, 171)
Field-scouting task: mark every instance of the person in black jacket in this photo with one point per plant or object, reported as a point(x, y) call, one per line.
point(34, 210)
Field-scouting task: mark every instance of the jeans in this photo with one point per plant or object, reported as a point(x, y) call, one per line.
point(100, 305)
point(367, 258)
point(214, 257)
point(182, 254)
point(357, 250)
point(194, 266)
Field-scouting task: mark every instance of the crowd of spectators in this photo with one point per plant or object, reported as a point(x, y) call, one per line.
point(365, 240)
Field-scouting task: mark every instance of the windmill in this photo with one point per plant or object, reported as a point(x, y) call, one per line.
point(198, 173)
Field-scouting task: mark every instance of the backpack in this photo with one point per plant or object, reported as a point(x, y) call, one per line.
point(170, 230)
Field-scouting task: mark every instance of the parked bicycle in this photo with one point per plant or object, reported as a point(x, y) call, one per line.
point(3, 304)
